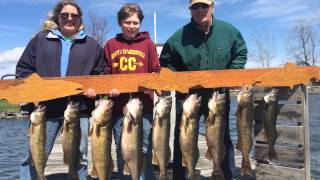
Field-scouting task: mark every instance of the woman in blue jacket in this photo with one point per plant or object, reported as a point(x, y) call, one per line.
point(63, 49)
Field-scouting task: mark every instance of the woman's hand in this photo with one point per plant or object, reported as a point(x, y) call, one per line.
point(90, 93)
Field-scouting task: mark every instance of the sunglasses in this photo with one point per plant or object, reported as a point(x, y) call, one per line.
point(65, 16)
point(198, 5)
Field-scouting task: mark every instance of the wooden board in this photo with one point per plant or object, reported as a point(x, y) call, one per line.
point(167, 80)
point(288, 95)
point(306, 134)
point(289, 114)
point(292, 135)
point(272, 172)
point(286, 156)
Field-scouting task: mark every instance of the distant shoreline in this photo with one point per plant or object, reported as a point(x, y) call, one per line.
point(13, 115)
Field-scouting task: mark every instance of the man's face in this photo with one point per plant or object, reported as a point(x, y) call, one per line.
point(69, 20)
point(201, 13)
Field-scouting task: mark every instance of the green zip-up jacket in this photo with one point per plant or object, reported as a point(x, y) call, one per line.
point(191, 49)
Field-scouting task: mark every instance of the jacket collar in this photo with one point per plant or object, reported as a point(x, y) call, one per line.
point(197, 27)
point(56, 34)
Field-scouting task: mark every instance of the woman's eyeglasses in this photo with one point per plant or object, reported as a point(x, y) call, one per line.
point(65, 16)
point(198, 5)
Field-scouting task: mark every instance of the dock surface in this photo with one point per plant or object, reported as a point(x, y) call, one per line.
point(56, 167)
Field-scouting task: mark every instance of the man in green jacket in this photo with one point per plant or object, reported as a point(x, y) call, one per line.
point(204, 44)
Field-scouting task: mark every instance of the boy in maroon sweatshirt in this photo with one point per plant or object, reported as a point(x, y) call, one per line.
point(132, 52)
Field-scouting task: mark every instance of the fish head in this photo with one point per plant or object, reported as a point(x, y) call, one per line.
point(103, 111)
point(72, 112)
point(271, 97)
point(37, 116)
point(133, 110)
point(245, 95)
point(217, 103)
point(163, 106)
point(192, 105)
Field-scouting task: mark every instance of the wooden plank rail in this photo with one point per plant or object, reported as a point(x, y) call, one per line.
point(286, 94)
point(292, 145)
point(272, 172)
point(290, 114)
point(286, 135)
point(286, 156)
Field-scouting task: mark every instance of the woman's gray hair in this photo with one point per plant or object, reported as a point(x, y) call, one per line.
point(57, 10)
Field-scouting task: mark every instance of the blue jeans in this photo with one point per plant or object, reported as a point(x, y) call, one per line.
point(147, 147)
point(27, 171)
point(228, 163)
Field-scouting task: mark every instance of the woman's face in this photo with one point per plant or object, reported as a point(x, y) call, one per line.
point(130, 26)
point(69, 20)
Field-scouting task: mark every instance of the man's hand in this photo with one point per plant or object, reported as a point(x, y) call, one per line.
point(114, 93)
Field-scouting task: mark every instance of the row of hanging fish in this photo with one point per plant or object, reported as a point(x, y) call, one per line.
point(132, 135)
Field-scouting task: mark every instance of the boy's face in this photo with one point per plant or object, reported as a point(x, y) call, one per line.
point(130, 26)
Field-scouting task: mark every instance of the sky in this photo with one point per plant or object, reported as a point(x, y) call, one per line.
point(22, 19)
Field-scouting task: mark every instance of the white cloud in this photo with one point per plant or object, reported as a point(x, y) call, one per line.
point(9, 59)
point(11, 56)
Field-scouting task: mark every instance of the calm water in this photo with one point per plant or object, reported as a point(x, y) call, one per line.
point(14, 142)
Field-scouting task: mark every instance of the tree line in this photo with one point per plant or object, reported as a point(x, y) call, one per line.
point(302, 45)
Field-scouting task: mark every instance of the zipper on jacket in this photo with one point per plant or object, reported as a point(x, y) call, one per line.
point(206, 52)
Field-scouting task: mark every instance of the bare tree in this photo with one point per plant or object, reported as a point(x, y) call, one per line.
point(98, 27)
point(304, 43)
point(263, 47)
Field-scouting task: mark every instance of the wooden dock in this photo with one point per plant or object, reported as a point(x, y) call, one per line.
point(56, 168)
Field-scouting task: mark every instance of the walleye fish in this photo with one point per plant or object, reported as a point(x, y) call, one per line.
point(216, 124)
point(161, 134)
point(101, 138)
point(131, 139)
point(189, 128)
point(270, 120)
point(71, 134)
point(37, 140)
point(244, 127)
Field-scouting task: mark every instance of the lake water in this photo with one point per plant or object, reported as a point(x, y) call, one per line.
point(14, 141)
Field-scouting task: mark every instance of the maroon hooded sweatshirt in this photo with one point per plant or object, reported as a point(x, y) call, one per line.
point(131, 56)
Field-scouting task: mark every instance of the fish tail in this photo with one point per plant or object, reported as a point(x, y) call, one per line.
point(111, 168)
point(217, 175)
point(154, 158)
point(72, 174)
point(272, 154)
point(164, 177)
point(192, 176)
point(239, 144)
point(246, 168)
point(208, 155)
point(126, 169)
